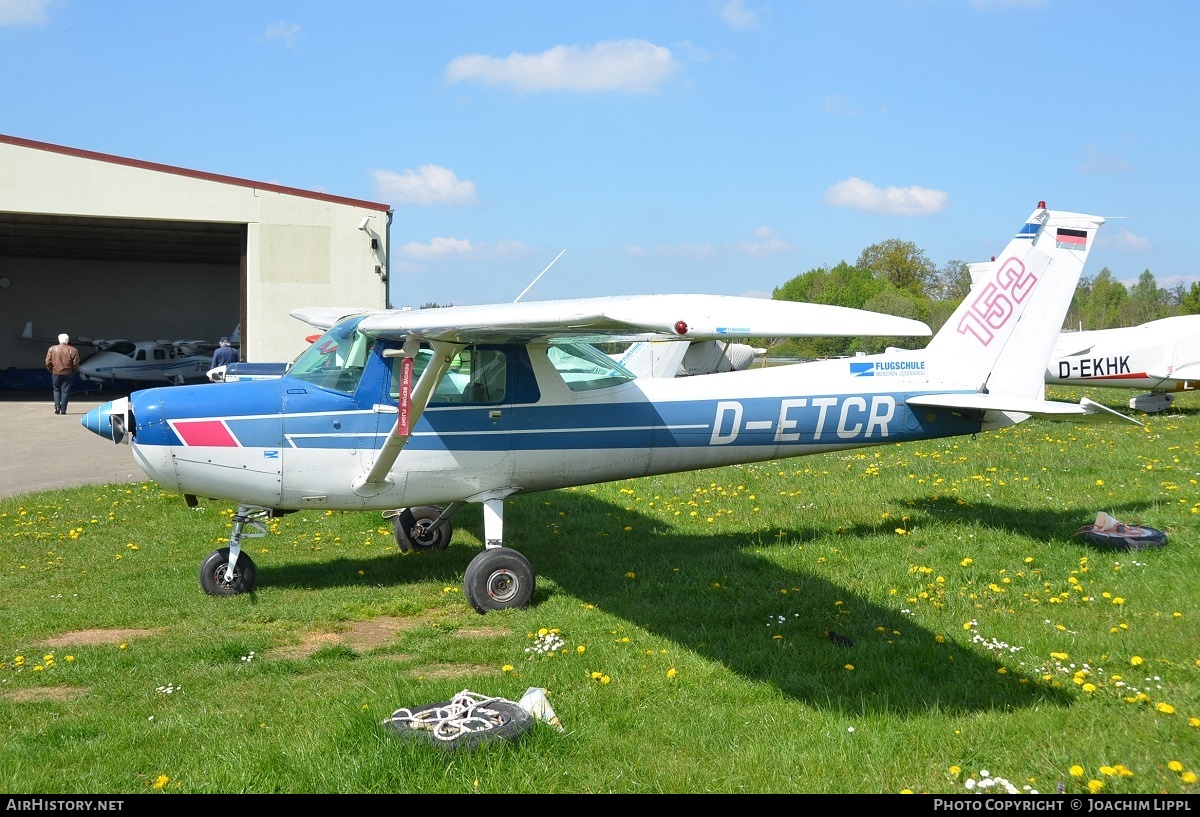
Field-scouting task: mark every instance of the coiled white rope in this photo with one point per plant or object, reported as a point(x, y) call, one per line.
point(466, 713)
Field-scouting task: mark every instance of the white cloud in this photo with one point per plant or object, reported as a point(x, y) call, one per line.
point(694, 251)
point(436, 248)
point(635, 66)
point(856, 194)
point(839, 106)
point(23, 12)
point(462, 248)
point(986, 5)
point(761, 249)
point(634, 250)
point(1096, 161)
point(737, 16)
point(1125, 239)
point(289, 33)
point(428, 184)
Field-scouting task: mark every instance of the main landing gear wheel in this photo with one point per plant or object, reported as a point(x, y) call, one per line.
point(412, 529)
point(212, 574)
point(497, 579)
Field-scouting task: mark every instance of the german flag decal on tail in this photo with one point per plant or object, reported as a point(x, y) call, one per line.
point(1071, 239)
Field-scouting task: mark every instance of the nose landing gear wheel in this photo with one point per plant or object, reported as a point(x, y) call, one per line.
point(212, 574)
point(497, 579)
point(412, 529)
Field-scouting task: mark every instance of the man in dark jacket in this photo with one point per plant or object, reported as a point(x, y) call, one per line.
point(225, 354)
point(62, 361)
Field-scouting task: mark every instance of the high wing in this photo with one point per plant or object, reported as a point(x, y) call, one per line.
point(637, 317)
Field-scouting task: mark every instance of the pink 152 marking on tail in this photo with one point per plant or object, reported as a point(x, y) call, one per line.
point(995, 303)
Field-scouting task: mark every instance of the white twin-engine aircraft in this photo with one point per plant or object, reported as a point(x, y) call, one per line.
point(416, 413)
point(1162, 357)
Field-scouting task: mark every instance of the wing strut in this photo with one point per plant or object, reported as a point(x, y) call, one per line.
point(377, 479)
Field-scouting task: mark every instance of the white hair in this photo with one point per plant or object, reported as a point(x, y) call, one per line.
point(64, 338)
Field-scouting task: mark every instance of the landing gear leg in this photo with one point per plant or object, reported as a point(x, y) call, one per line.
point(228, 571)
point(499, 577)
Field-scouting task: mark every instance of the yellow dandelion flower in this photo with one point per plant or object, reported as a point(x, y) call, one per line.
point(1188, 777)
point(507, 668)
point(1136, 660)
point(1095, 786)
point(596, 676)
point(1076, 771)
point(1175, 766)
point(1089, 688)
point(604, 679)
point(161, 781)
point(631, 575)
point(1194, 722)
point(581, 649)
point(1165, 708)
point(955, 770)
point(543, 632)
point(1002, 671)
point(671, 673)
point(1107, 771)
point(850, 667)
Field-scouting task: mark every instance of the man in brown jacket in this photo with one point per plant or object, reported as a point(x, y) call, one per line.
point(63, 362)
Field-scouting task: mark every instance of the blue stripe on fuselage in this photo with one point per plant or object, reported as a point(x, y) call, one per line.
point(330, 421)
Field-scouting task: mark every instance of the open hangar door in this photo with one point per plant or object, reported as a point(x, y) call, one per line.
point(125, 278)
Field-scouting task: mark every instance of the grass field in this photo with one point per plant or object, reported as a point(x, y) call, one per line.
point(679, 628)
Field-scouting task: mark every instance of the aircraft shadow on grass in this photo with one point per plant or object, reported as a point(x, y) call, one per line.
point(713, 595)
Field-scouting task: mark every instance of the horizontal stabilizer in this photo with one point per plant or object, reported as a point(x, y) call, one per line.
point(1046, 409)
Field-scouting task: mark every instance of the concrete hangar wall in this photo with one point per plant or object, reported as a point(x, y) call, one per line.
point(102, 246)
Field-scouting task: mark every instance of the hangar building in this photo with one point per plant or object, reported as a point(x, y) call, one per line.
point(102, 246)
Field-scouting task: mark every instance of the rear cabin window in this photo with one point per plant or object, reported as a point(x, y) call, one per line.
point(584, 368)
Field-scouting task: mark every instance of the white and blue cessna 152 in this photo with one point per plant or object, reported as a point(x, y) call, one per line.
point(416, 413)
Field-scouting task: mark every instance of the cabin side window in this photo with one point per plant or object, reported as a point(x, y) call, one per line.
point(475, 376)
point(584, 368)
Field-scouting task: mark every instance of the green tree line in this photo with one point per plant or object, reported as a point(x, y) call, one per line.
point(896, 277)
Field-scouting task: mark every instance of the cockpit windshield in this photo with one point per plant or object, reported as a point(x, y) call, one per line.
point(335, 360)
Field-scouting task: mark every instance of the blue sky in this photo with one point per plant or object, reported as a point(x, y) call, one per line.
point(711, 146)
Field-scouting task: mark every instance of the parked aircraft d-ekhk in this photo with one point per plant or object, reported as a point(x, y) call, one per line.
point(1162, 357)
point(417, 413)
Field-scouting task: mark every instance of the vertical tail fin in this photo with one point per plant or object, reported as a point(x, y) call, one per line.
point(1002, 335)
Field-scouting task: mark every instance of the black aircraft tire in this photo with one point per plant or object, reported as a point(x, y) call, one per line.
point(513, 723)
point(412, 529)
point(497, 579)
point(212, 574)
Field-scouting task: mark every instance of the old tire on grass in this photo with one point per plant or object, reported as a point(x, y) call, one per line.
point(507, 720)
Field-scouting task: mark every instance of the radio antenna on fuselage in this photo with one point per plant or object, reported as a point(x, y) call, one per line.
point(539, 276)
